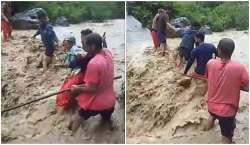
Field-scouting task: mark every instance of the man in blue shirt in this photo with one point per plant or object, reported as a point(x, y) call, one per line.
point(202, 54)
point(187, 42)
point(48, 37)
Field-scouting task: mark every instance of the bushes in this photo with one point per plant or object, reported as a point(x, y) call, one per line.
point(75, 11)
point(218, 15)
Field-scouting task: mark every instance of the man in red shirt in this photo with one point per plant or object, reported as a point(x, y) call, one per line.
point(96, 96)
point(225, 79)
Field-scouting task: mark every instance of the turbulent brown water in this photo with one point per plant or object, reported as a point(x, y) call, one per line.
point(40, 122)
point(165, 107)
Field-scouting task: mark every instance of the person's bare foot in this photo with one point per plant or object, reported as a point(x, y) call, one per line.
point(75, 123)
point(209, 124)
point(226, 140)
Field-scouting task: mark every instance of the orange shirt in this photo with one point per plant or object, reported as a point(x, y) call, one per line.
point(100, 71)
point(224, 80)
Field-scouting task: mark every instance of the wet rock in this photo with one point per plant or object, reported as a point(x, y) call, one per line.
point(206, 29)
point(180, 22)
point(185, 82)
point(27, 19)
point(62, 21)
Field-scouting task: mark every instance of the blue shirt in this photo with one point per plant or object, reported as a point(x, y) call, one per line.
point(70, 58)
point(188, 38)
point(202, 54)
point(48, 35)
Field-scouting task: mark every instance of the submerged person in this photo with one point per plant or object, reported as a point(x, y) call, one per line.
point(97, 95)
point(5, 20)
point(155, 28)
point(225, 78)
point(202, 54)
point(48, 37)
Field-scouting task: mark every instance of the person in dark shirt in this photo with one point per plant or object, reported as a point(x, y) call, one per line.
point(48, 37)
point(162, 31)
point(187, 42)
point(202, 54)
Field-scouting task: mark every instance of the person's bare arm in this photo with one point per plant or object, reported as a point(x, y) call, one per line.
point(90, 88)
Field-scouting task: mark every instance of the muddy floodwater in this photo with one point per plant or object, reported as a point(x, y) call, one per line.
point(22, 81)
point(165, 107)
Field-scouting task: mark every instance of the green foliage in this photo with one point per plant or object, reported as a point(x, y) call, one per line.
point(75, 11)
point(218, 15)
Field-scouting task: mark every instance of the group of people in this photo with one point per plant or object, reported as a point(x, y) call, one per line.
point(225, 77)
point(92, 72)
point(159, 31)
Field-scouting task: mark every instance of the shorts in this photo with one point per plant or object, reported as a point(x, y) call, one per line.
point(227, 125)
point(86, 114)
point(49, 46)
point(162, 36)
point(185, 52)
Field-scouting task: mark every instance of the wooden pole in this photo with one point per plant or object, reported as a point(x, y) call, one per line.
point(42, 98)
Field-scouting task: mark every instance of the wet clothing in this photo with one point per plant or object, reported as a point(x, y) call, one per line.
point(64, 100)
point(154, 24)
point(202, 54)
point(161, 37)
point(71, 57)
point(154, 38)
point(48, 37)
point(187, 42)
point(100, 71)
point(105, 114)
point(162, 28)
point(227, 125)
point(6, 25)
point(6, 29)
point(225, 79)
point(162, 22)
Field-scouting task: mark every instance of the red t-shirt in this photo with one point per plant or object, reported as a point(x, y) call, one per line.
point(224, 80)
point(100, 71)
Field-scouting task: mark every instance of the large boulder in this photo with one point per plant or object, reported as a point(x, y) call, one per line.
point(206, 29)
point(62, 21)
point(27, 19)
point(180, 22)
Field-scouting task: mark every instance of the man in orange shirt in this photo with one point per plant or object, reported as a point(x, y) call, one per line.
point(225, 79)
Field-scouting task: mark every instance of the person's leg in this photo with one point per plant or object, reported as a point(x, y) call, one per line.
point(46, 61)
point(4, 29)
point(227, 126)
point(106, 114)
point(106, 118)
point(210, 123)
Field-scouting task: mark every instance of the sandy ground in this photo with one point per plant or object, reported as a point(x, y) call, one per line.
point(40, 122)
point(165, 107)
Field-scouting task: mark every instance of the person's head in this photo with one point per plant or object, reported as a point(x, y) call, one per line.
point(199, 38)
point(93, 43)
point(160, 11)
point(225, 48)
point(42, 17)
point(84, 34)
point(69, 42)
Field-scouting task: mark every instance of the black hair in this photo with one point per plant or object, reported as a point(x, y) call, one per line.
point(226, 47)
point(200, 35)
point(96, 39)
point(86, 32)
